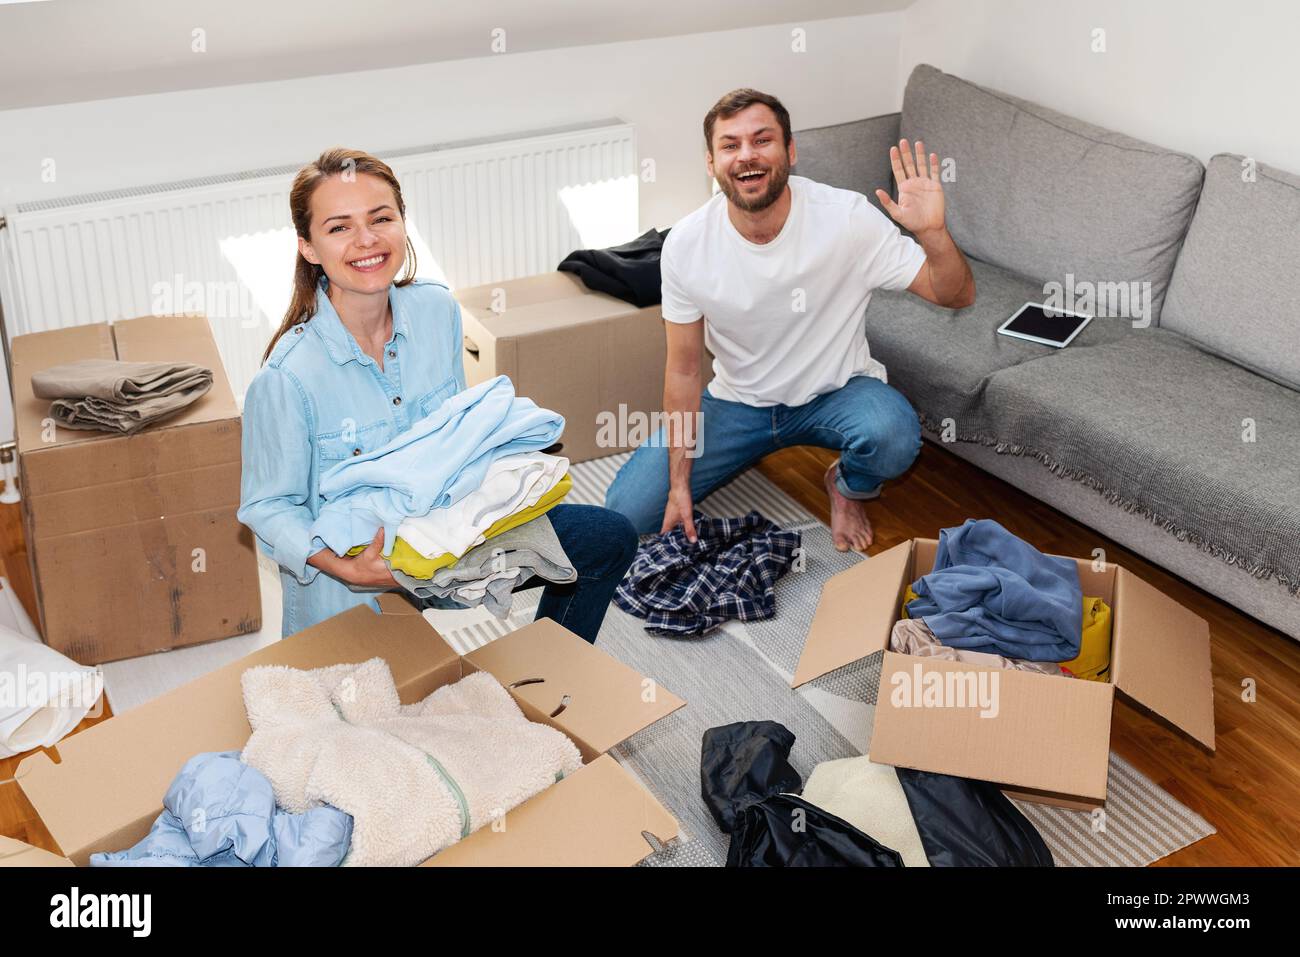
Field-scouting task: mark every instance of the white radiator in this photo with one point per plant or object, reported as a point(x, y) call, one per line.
point(478, 212)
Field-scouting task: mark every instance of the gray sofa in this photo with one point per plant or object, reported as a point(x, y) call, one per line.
point(1174, 430)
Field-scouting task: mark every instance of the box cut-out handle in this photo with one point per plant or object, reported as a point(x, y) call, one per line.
point(565, 700)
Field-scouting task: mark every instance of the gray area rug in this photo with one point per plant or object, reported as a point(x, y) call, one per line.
point(742, 672)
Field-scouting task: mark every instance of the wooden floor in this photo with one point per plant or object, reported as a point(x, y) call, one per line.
point(1249, 789)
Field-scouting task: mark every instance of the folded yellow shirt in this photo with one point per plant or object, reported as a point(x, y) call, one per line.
point(406, 559)
point(1093, 662)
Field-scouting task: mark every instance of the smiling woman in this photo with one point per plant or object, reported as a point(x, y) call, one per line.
point(360, 358)
point(369, 233)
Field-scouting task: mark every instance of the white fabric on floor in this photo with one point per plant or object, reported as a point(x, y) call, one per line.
point(869, 797)
point(43, 694)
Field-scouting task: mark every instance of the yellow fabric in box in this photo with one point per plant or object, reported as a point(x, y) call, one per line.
point(406, 559)
point(1093, 662)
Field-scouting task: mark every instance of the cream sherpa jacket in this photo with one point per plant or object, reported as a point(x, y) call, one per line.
point(415, 778)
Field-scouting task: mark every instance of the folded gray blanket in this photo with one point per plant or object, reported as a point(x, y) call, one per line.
point(116, 396)
point(488, 574)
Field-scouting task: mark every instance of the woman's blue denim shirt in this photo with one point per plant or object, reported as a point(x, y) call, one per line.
point(318, 400)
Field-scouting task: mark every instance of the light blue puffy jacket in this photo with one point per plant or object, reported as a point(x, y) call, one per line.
point(219, 812)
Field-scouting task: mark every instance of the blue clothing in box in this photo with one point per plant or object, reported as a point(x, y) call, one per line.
point(219, 812)
point(995, 593)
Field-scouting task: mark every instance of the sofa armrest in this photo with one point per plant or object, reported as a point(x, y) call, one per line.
point(852, 155)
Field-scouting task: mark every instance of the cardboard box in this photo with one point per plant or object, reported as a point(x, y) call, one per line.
point(1050, 737)
point(15, 853)
point(108, 786)
point(581, 353)
point(114, 523)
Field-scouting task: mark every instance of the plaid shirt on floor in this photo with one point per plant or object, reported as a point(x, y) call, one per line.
point(685, 588)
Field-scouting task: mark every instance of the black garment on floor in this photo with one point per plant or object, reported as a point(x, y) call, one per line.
point(787, 831)
point(744, 768)
point(743, 763)
point(629, 272)
point(964, 823)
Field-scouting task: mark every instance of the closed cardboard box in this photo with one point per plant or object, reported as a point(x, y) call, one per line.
point(107, 788)
point(596, 360)
point(1045, 738)
point(133, 541)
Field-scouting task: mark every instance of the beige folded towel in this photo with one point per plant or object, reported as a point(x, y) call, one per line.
point(117, 396)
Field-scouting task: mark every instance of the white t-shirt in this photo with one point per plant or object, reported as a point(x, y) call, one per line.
point(785, 320)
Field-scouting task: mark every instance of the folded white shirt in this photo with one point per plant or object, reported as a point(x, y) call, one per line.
point(512, 483)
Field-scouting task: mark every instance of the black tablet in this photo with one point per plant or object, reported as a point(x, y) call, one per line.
point(1038, 322)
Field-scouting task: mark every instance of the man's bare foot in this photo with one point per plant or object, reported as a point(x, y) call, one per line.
point(849, 525)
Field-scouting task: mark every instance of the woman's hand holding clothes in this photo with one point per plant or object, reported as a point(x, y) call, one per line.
point(368, 569)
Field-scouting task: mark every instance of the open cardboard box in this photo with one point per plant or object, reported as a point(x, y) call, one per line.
point(107, 788)
point(1049, 740)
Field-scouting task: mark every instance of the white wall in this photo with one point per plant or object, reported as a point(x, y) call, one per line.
point(1202, 76)
point(662, 86)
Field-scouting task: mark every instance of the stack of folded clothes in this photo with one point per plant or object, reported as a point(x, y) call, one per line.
point(116, 396)
point(462, 497)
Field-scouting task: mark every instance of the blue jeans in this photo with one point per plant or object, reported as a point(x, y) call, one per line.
point(601, 545)
point(874, 428)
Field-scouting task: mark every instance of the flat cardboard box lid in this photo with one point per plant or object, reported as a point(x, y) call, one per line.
point(593, 818)
point(595, 699)
point(541, 303)
point(1048, 733)
point(15, 853)
point(111, 778)
point(147, 339)
point(855, 613)
point(544, 317)
point(524, 291)
point(1160, 656)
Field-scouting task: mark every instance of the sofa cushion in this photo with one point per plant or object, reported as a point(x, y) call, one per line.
point(1161, 427)
point(851, 155)
point(1234, 288)
point(941, 359)
point(1046, 195)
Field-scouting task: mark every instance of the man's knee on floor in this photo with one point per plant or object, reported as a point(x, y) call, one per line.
point(892, 449)
point(901, 444)
point(620, 538)
point(643, 514)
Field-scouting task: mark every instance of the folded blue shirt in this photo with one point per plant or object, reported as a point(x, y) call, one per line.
point(436, 462)
point(993, 592)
